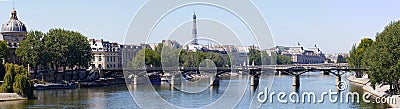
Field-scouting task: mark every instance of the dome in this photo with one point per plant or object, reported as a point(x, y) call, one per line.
point(13, 25)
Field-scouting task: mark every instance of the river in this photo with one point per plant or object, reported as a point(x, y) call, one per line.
point(118, 96)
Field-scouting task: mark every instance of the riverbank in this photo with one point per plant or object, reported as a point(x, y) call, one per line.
point(11, 97)
point(379, 90)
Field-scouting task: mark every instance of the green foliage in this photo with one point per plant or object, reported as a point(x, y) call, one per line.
point(353, 59)
point(56, 48)
point(168, 57)
point(383, 58)
point(193, 59)
point(254, 56)
point(329, 61)
point(8, 79)
point(3, 50)
point(146, 57)
point(262, 58)
point(23, 85)
point(171, 57)
point(358, 54)
point(283, 60)
point(30, 49)
point(17, 81)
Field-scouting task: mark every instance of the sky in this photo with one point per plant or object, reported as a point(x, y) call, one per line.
point(333, 25)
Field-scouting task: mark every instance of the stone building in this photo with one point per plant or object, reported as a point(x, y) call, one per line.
point(113, 56)
point(13, 31)
point(107, 55)
point(299, 54)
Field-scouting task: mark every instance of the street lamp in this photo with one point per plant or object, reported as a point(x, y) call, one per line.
point(29, 53)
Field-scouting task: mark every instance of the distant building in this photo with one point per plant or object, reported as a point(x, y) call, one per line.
point(107, 55)
point(153, 46)
point(334, 57)
point(299, 54)
point(113, 56)
point(171, 43)
point(193, 48)
point(129, 52)
point(13, 31)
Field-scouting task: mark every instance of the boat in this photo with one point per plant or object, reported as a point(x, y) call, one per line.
point(155, 78)
point(54, 86)
point(165, 78)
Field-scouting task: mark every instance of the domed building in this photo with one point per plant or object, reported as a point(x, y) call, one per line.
point(13, 31)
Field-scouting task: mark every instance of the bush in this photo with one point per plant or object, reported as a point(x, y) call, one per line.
point(23, 85)
point(16, 80)
point(8, 79)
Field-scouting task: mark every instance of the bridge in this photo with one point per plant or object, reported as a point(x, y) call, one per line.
point(296, 70)
point(255, 71)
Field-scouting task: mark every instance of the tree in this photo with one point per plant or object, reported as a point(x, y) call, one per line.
point(384, 59)
point(3, 50)
point(362, 50)
point(22, 84)
point(3, 56)
point(64, 48)
point(17, 81)
point(79, 52)
point(30, 50)
point(146, 57)
point(254, 56)
point(354, 60)
point(6, 87)
point(283, 60)
point(216, 58)
point(358, 54)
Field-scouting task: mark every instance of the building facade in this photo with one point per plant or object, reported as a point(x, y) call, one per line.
point(13, 32)
point(113, 56)
point(107, 55)
point(130, 51)
point(299, 54)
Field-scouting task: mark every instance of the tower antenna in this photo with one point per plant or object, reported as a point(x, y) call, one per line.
point(13, 4)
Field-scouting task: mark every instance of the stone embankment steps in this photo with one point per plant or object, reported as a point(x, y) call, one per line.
point(379, 89)
point(11, 97)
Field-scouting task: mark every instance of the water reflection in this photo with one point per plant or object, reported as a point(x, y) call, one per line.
point(214, 90)
point(296, 89)
point(118, 96)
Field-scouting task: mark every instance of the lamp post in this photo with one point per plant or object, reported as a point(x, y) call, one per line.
point(29, 53)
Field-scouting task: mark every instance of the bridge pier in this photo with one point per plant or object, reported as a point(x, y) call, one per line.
point(214, 80)
point(135, 80)
point(174, 80)
point(326, 72)
point(254, 80)
point(338, 79)
point(296, 80)
point(359, 74)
